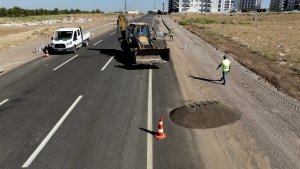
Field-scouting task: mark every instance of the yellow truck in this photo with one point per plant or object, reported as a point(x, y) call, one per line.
point(137, 43)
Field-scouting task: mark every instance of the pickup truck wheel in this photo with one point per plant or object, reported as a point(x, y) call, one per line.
point(74, 49)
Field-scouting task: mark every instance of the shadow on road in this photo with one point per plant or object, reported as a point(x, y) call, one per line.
point(207, 80)
point(123, 58)
point(137, 67)
point(148, 131)
point(120, 56)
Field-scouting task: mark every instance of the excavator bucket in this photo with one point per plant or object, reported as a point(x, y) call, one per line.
point(151, 56)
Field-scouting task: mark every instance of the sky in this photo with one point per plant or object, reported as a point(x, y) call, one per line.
point(89, 5)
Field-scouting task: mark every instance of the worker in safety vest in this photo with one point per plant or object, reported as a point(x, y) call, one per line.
point(171, 34)
point(225, 68)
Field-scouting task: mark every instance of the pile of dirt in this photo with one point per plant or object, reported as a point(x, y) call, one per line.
point(204, 115)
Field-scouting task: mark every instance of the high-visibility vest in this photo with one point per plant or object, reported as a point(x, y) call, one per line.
point(225, 65)
point(171, 32)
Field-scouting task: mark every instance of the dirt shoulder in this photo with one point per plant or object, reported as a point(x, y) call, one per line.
point(267, 133)
point(264, 43)
point(283, 78)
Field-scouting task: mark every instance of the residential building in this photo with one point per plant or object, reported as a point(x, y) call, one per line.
point(133, 11)
point(284, 5)
point(201, 6)
point(251, 5)
point(297, 5)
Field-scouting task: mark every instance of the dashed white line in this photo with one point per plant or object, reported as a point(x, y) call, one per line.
point(107, 63)
point(97, 42)
point(44, 142)
point(113, 33)
point(149, 126)
point(65, 62)
point(4, 101)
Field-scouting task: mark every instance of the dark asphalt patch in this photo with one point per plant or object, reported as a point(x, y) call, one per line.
point(202, 115)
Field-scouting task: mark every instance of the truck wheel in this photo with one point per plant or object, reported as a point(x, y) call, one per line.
point(86, 43)
point(74, 49)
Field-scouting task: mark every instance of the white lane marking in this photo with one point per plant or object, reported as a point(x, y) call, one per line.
point(99, 27)
point(4, 101)
point(113, 33)
point(107, 63)
point(65, 62)
point(149, 126)
point(97, 42)
point(44, 142)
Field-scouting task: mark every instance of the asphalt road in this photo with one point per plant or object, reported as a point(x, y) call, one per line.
point(89, 110)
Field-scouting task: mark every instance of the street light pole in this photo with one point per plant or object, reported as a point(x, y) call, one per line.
point(125, 6)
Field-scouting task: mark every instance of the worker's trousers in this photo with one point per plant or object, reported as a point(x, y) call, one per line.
point(224, 77)
point(171, 37)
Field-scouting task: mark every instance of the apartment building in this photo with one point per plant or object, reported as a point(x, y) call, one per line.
point(249, 4)
point(214, 6)
point(200, 6)
point(284, 5)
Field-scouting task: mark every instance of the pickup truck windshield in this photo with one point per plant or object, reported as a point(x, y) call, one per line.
point(63, 35)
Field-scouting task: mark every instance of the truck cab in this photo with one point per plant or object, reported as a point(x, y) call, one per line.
point(69, 39)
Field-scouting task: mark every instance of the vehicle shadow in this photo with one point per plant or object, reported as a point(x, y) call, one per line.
point(123, 58)
point(207, 80)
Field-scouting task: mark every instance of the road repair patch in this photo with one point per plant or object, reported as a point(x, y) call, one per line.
point(202, 115)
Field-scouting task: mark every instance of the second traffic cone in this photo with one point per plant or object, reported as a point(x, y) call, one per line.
point(154, 36)
point(160, 132)
point(47, 54)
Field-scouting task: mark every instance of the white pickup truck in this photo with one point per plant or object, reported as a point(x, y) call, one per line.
point(69, 39)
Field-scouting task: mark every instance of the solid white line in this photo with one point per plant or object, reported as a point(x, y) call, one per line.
point(4, 101)
point(149, 126)
point(65, 62)
point(97, 42)
point(44, 142)
point(107, 63)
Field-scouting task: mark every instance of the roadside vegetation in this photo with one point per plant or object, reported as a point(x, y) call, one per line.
point(20, 12)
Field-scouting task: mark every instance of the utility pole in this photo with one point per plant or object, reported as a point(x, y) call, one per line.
point(154, 4)
point(125, 6)
point(163, 11)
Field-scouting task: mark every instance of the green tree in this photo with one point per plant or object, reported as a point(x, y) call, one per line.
point(77, 11)
point(16, 11)
point(9, 12)
point(55, 11)
point(65, 11)
point(3, 12)
point(41, 11)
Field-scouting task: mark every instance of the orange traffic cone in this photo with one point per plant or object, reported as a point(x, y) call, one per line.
point(47, 54)
point(154, 36)
point(160, 132)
